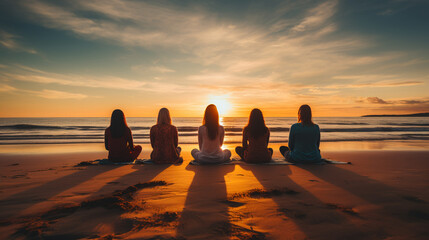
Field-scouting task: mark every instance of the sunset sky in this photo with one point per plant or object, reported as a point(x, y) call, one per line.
point(86, 58)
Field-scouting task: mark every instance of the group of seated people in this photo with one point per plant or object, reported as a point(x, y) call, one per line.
point(303, 145)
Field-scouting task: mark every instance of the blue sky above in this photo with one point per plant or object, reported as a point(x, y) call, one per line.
point(85, 58)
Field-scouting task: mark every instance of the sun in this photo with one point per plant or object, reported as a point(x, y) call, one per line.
point(222, 104)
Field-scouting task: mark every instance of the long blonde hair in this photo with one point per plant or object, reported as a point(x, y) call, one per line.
point(164, 116)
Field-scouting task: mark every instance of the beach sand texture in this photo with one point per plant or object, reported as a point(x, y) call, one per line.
point(382, 195)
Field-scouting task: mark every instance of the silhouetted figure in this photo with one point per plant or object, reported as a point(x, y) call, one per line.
point(118, 139)
point(304, 139)
point(256, 136)
point(164, 140)
point(210, 139)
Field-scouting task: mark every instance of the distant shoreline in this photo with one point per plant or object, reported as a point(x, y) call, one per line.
point(400, 115)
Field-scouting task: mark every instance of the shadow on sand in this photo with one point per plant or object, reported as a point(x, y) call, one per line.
point(27, 198)
point(304, 209)
point(204, 215)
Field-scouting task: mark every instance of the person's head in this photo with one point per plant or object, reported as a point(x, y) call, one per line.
point(256, 123)
point(304, 115)
point(211, 121)
point(118, 123)
point(164, 116)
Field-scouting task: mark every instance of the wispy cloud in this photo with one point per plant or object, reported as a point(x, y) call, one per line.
point(269, 57)
point(54, 94)
point(377, 100)
point(144, 68)
point(45, 93)
point(317, 16)
point(6, 88)
point(9, 41)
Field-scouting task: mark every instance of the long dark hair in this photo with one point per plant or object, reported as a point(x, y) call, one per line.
point(256, 124)
point(211, 121)
point(164, 117)
point(118, 124)
point(304, 115)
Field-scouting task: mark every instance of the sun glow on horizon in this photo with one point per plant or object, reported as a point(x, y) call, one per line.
point(222, 104)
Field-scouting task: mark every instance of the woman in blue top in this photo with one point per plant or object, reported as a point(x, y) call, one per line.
point(304, 139)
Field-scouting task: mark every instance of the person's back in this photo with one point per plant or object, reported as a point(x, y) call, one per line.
point(118, 139)
point(210, 139)
point(164, 141)
point(211, 146)
point(257, 150)
point(117, 146)
point(304, 141)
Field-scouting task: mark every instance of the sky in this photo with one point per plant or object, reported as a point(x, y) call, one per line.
point(86, 58)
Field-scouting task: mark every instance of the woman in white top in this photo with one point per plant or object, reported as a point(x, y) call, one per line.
point(210, 139)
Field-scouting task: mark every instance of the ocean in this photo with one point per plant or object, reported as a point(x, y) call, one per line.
point(19, 131)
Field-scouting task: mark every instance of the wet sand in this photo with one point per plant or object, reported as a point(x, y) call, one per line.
point(382, 195)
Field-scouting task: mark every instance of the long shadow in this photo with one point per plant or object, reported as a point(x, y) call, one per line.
point(27, 198)
point(392, 201)
point(205, 214)
point(142, 173)
point(310, 214)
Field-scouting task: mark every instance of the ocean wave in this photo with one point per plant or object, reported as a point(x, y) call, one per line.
point(188, 141)
point(344, 123)
point(376, 129)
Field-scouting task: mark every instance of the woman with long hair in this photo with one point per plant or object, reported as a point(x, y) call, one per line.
point(164, 140)
point(118, 139)
point(210, 139)
point(256, 136)
point(304, 139)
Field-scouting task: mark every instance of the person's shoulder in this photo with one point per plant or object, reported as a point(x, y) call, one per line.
point(221, 128)
point(245, 129)
point(107, 131)
point(172, 127)
point(201, 128)
point(316, 126)
point(296, 125)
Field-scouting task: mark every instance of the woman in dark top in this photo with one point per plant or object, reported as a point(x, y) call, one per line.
point(164, 140)
point(256, 136)
point(118, 139)
point(304, 139)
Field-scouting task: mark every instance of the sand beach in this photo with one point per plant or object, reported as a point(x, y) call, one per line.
point(381, 195)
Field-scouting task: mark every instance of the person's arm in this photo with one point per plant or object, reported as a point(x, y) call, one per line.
point(291, 143)
point(200, 137)
point(106, 140)
point(318, 136)
point(176, 137)
point(130, 139)
point(245, 138)
point(221, 135)
point(268, 137)
point(152, 136)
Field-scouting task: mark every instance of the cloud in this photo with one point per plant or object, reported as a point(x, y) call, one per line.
point(27, 74)
point(155, 69)
point(6, 88)
point(270, 57)
point(8, 40)
point(317, 16)
point(376, 100)
point(54, 94)
point(45, 93)
point(365, 81)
